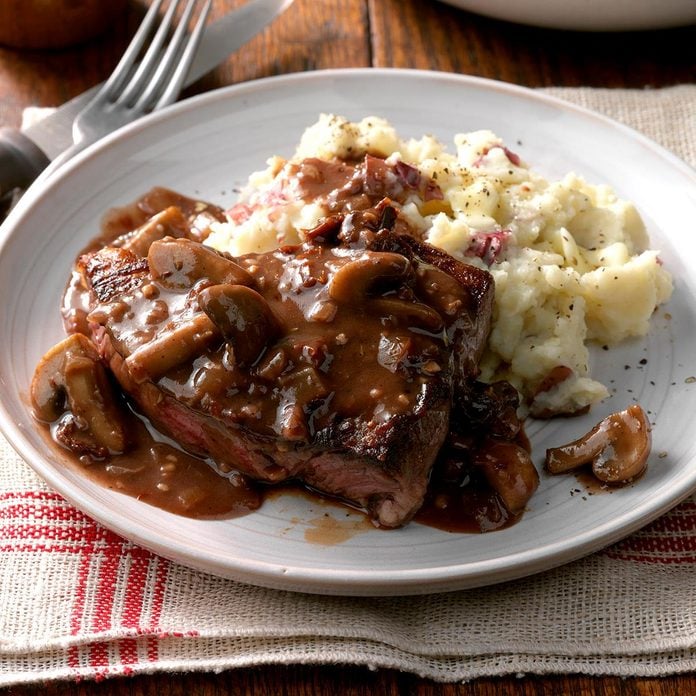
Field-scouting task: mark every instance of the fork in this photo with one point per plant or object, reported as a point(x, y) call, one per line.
point(136, 89)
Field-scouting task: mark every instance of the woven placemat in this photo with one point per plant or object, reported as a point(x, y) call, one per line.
point(77, 601)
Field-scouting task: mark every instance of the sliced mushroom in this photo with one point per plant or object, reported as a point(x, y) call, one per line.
point(243, 317)
point(93, 402)
point(171, 222)
point(70, 377)
point(185, 341)
point(47, 390)
point(298, 389)
point(352, 282)
point(509, 470)
point(273, 364)
point(179, 263)
point(408, 313)
point(618, 448)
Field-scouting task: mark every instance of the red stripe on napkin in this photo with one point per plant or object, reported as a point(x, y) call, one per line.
point(671, 539)
point(128, 652)
point(108, 566)
point(141, 564)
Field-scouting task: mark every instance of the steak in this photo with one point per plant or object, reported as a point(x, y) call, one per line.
point(335, 362)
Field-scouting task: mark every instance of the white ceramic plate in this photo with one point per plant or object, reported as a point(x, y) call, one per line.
point(206, 147)
point(587, 15)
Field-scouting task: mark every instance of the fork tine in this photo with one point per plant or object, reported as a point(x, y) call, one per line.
point(150, 58)
point(121, 71)
point(176, 80)
point(172, 56)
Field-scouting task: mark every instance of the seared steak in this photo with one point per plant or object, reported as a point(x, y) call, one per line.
point(334, 363)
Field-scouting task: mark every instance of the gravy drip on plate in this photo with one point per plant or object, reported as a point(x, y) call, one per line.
point(157, 471)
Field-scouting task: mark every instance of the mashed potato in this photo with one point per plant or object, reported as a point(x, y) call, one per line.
point(570, 260)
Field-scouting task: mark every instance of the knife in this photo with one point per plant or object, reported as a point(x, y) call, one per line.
point(25, 154)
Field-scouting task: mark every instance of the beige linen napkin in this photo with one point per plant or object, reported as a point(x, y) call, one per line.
point(78, 601)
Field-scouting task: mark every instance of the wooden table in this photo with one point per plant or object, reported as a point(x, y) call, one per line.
point(316, 34)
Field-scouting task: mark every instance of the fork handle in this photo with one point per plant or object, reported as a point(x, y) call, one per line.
point(21, 160)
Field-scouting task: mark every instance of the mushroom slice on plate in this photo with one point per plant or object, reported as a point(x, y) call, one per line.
point(617, 447)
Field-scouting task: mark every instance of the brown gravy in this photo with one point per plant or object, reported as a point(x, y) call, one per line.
point(472, 509)
point(591, 484)
point(160, 473)
point(165, 476)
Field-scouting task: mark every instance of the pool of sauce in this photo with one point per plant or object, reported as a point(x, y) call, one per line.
point(157, 471)
point(473, 509)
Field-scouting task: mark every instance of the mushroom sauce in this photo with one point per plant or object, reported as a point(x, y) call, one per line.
point(158, 471)
point(461, 497)
point(303, 341)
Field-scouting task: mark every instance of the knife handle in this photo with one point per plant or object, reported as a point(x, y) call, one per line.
point(21, 160)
